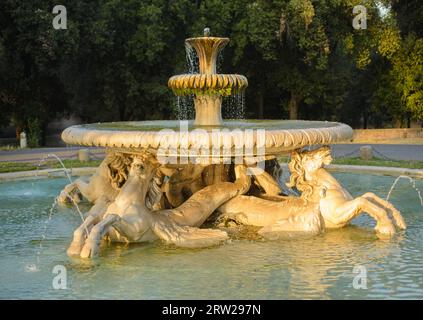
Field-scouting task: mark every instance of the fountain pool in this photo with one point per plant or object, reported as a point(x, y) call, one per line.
point(319, 267)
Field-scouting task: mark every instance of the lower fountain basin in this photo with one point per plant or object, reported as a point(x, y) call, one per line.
point(274, 136)
point(319, 267)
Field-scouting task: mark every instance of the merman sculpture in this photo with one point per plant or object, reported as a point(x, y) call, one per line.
point(164, 179)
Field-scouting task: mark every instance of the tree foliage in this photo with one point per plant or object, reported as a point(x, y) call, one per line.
point(303, 59)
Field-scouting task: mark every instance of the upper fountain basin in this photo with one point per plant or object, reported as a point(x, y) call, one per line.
point(207, 49)
point(275, 136)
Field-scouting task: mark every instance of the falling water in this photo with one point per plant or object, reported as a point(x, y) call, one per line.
point(46, 223)
point(413, 185)
point(192, 59)
point(242, 105)
point(233, 106)
point(66, 170)
point(185, 107)
point(52, 155)
point(33, 267)
point(185, 104)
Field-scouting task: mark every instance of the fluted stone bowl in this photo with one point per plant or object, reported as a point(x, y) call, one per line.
point(275, 136)
point(224, 84)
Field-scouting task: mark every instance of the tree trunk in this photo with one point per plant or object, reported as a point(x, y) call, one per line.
point(43, 138)
point(122, 111)
point(365, 120)
point(365, 115)
point(397, 122)
point(293, 106)
point(18, 131)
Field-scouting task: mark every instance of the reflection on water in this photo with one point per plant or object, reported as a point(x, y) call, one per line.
point(247, 267)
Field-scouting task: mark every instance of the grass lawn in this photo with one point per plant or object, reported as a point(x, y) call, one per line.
point(9, 147)
point(16, 166)
point(24, 166)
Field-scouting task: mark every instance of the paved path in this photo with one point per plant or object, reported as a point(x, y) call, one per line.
point(35, 155)
point(391, 151)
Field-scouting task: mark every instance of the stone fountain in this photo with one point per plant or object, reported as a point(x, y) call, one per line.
point(207, 86)
point(164, 179)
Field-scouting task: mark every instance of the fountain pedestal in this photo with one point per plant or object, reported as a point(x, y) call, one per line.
point(208, 110)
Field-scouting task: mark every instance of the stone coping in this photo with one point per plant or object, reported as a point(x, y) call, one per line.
point(45, 173)
point(49, 173)
point(276, 141)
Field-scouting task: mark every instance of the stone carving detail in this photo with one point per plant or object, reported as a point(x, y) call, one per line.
point(133, 213)
point(323, 202)
point(277, 141)
point(137, 199)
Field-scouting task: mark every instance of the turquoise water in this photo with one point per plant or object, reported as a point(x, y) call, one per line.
point(319, 267)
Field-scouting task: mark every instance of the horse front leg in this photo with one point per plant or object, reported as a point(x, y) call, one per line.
point(79, 237)
point(74, 192)
point(345, 212)
point(81, 233)
point(92, 243)
point(69, 194)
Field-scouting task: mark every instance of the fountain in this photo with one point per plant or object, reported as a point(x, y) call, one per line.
point(207, 86)
point(165, 179)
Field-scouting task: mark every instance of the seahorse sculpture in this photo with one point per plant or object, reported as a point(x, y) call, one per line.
point(131, 217)
point(323, 203)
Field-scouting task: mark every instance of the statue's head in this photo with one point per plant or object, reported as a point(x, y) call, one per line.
point(303, 162)
point(314, 159)
point(143, 165)
point(118, 165)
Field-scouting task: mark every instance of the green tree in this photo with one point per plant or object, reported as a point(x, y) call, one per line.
point(126, 55)
point(30, 59)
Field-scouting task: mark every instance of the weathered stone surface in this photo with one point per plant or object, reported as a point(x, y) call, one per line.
point(84, 155)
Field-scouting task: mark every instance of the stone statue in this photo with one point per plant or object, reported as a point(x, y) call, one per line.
point(128, 203)
point(323, 203)
point(127, 218)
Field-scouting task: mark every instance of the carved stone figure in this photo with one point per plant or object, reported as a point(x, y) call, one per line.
point(128, 218)
point(101, 190)
point(323, 202)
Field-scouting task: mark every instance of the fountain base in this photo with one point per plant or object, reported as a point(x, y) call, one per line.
point(136, 199)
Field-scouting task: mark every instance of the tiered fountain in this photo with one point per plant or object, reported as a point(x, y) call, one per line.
point(164, 179)
point(207, 86)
